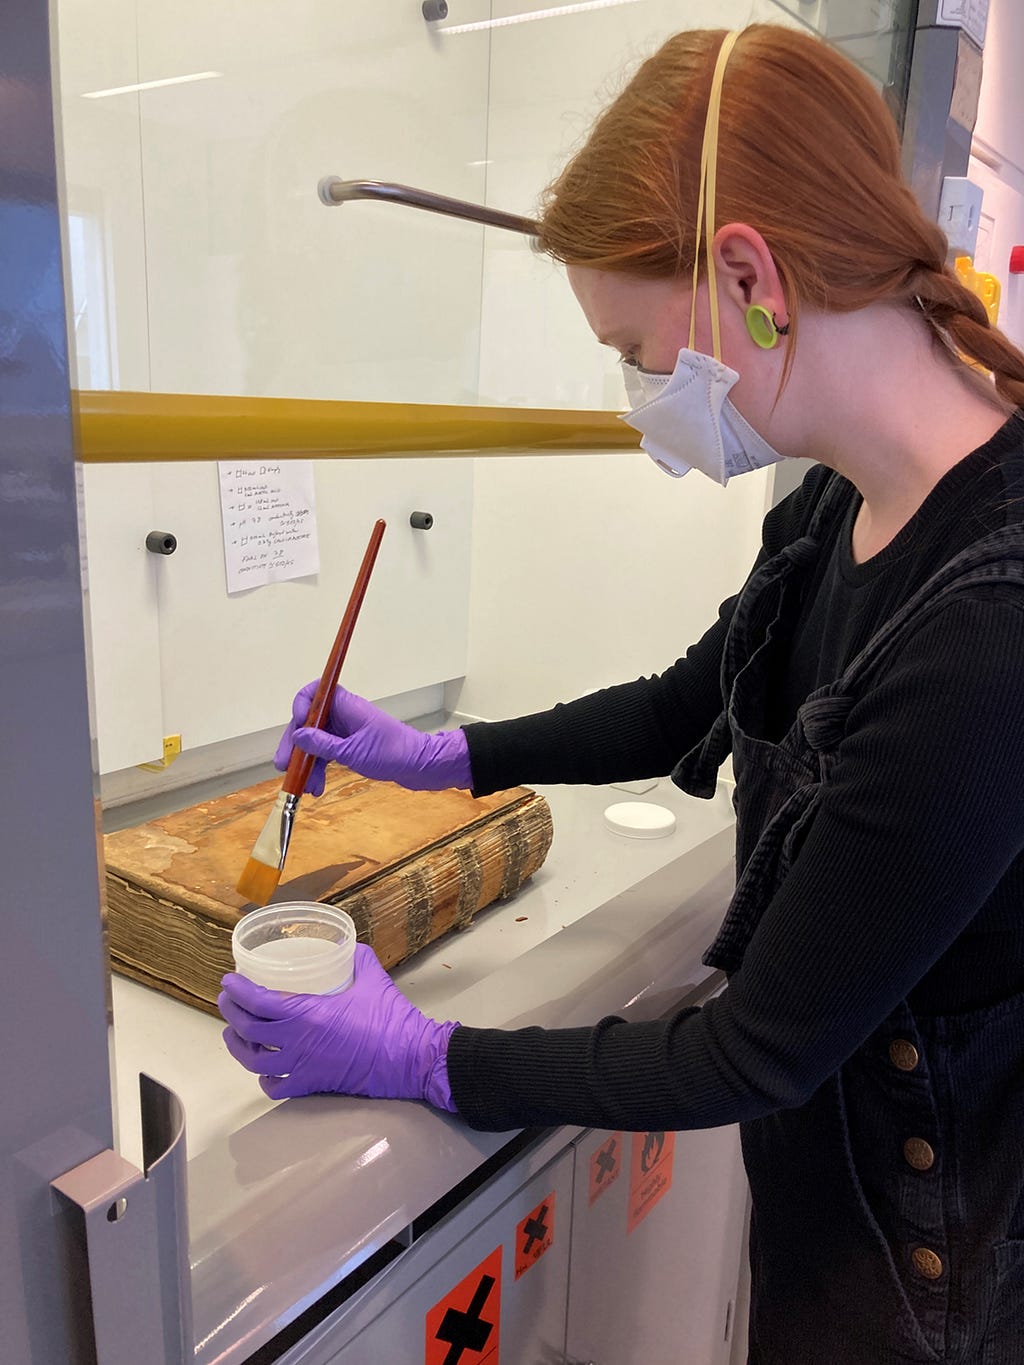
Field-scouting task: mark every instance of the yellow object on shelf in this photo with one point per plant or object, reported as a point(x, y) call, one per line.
point(987, 287)
point(172, 750)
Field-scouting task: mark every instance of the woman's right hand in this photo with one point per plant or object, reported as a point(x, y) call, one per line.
point(366, 739)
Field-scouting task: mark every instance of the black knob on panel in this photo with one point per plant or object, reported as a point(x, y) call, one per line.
point(435, 9)
point(421, 521)
point(161, 543)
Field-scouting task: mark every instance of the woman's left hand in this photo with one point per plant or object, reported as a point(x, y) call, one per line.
point(367, 1040)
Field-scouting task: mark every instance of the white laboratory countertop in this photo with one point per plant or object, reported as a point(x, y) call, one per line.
point(587, 866)
point(285, 1199)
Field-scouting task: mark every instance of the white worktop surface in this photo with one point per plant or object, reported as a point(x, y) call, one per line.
point(285, 1200)
point(587, 866)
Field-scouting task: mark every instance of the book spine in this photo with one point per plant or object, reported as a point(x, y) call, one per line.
point(447, 886)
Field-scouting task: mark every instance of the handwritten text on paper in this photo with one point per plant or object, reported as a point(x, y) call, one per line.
point(268, 511)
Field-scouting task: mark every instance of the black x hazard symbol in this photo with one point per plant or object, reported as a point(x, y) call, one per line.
point(535, 1228)
point(535, 1234)
point(464, 1328)
point(605, 1165)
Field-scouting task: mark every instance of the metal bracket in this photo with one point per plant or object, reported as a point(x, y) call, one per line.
point(131, 1240)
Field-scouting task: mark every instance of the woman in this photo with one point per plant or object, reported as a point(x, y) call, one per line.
point(737, 226)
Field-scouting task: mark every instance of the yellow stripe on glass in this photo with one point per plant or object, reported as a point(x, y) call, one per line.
point(127, 428)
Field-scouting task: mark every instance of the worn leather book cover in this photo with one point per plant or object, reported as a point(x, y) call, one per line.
point(407, 866)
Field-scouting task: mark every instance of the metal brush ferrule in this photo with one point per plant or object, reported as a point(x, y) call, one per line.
point(288, 809)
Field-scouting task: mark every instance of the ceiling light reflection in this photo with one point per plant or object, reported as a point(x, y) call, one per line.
point(152, 85)
point(529, 16)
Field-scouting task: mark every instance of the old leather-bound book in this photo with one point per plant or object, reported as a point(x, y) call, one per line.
point(407, 866)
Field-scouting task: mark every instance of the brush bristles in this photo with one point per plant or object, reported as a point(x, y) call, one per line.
point(270, 847)
point(258, 882)
point(263, 870)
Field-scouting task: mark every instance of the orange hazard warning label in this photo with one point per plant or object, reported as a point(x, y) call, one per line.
point(650, 1174)
point(535, 1234)
point(605, 1165)
point(463, 1328)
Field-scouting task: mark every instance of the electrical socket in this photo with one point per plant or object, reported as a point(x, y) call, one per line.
point(960, 213)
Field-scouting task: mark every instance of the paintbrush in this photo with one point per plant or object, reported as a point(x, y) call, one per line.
point(263, 870)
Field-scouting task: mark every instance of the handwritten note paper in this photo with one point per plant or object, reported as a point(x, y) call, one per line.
point(268, 510)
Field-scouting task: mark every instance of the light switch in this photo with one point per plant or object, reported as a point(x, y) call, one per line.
point(960, 213)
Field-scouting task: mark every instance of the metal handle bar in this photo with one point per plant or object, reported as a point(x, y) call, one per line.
point(333, 190)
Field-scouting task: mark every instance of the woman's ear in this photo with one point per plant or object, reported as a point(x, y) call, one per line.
point(747, 271)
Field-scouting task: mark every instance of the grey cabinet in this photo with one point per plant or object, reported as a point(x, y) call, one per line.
point(489, 1283)
point(605, 1248)
point(657, 1244)
point(498, 1294)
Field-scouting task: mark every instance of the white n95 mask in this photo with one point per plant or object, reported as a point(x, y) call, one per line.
point(687, 421)
point(686, 418)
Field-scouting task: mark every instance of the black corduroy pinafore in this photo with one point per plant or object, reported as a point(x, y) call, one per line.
point(888, 1210)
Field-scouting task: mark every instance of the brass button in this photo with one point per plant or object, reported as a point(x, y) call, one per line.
point(926, 1263)
point(903, 1054)
point(919, 1154)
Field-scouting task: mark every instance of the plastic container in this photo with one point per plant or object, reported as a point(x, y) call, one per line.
point(301, 947)
point(640, 819)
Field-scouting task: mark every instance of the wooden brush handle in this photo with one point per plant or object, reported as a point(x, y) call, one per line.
point(300, 765)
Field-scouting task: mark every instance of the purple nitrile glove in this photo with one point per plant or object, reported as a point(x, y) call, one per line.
point(367, 1040)
point(366, 739)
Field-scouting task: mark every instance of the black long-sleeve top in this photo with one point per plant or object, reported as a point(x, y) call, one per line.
point(910, 883)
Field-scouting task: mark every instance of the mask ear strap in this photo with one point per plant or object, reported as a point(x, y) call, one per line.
point(709, 187)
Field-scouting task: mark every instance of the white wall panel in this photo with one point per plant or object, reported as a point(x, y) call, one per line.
point(592, 570)
point(625, 568)
point(103, 170)
point(103, 173)
point(997, 139)
point(124, 582)
point(1001, 103)
point(255, 286)
point(204, 246)
point(232, 664)
point(1002, 228)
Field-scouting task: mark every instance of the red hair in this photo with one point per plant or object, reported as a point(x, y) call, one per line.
point(808, 154)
